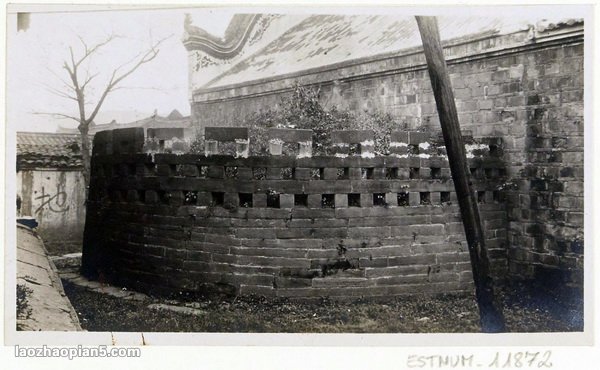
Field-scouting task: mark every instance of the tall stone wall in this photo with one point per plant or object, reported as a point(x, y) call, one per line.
point(344, 226)
point(526, 88)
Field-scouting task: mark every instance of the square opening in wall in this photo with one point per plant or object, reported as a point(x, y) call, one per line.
point(317, 173)
point(445, 197)
point(495, 150)
point(287, 173)
point(228, 148)
point(544, 200)
point(499, 197)
point(343, 173)
point(379, 199)
point(108, 170)
point(259, 173)
point(245, 200)
point(533, 202)
point(436, 172)
point(131, 169)
point(354, 200)
point(366, 173)
point(300, 200)
point(424, 198)
point(115, 196)
point(164, 196)
point(391, 173)
point(501, 172)
point(231, 172)
point(473, 171)
point(403, 199)
point(272, 200)
point(190, 197)
point(290, 149)
point(218, 198)
point(481, 196)
point(328, 201)
point(354, 149)
point(488, 172)
point(203, 171)
point(176, 170)
point(150, 169)
point(413, 149)
point(413, 173)
point(141, 196)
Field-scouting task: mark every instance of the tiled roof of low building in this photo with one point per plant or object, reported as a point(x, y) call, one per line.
point(174, 120)
point(48, 150)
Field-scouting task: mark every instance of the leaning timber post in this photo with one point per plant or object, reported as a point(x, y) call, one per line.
point(490, 312)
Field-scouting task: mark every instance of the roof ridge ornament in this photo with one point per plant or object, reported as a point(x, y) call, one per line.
point(231, 44)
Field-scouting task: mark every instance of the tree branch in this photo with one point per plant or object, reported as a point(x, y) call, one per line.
point(115, 79)
point(78, 86)
point(88, 80)
point(58, 115)
point(94, 48)
point(65, 83)
point(59, 93)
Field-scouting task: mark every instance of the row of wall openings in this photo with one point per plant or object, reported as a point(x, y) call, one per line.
point(289, 173)
point(116, 170)
point(246, 200)
point(327, 200)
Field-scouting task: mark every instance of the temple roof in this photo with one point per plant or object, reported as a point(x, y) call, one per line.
point(327, 40)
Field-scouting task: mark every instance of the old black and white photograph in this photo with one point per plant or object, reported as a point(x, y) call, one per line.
point(299, 171)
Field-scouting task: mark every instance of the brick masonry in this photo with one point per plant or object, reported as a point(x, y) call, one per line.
point(529, 92)
point(338, 227)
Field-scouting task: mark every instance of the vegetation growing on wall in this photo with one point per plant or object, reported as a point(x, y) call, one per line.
point(302, 110)
point(23, 308)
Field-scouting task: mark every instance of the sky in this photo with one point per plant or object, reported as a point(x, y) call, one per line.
point(35, 59)
point(36, 56)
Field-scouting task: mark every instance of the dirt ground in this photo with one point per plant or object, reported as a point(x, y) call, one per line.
point(60, 249)
point(524, 312)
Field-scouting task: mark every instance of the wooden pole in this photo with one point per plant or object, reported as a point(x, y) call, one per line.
point(490, 312)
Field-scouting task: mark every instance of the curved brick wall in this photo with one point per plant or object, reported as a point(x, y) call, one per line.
point(284, 226)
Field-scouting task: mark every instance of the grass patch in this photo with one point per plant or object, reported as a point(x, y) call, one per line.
point(416, 314)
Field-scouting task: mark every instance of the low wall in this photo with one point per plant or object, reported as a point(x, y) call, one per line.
point(55, 197)
point(281, 225)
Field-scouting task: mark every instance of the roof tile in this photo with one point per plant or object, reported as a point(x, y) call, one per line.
point(48, 150)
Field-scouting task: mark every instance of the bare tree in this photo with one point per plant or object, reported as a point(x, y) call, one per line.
point(80, 79)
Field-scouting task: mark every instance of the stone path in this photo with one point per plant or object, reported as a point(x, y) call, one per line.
point(46, 306)
point(95, 286)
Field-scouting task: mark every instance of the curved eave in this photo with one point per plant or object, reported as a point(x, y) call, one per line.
point(236, 36)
